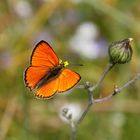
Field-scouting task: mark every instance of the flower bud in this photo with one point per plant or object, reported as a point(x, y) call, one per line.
point(120, 52)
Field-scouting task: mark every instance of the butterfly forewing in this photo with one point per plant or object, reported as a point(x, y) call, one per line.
point(42, 60)
point(43, 55)
point(34, 74)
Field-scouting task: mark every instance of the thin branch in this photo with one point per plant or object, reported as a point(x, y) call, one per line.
point(137, 77)
point(105, 72)
point(101, 100)
point(90, 102)
point(90, 89)
point(74, 130)
point(118, 90)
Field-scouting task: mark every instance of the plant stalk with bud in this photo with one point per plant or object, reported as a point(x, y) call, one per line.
point(120, 52)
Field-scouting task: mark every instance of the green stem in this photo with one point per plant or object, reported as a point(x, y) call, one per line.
point(118, 90)
point(90, 91)
point(105, 72)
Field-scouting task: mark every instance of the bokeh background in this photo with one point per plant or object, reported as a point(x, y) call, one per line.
point(79, 31)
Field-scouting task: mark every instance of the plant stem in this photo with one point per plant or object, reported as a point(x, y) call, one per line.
point(107, 69)
point(73, 132)
point(137, 77)
point(90, 89)
point(118, 90)
point(75, 126)
point(90, 102)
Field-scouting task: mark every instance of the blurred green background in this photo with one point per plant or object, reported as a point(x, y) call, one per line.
point(79, 31)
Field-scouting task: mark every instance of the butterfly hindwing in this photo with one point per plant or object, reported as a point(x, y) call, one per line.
point(67, 80)
point(49, 89)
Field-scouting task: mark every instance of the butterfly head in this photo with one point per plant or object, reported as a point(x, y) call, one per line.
point(65, 63)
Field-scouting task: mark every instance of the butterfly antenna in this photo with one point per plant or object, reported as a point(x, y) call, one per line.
point(76, 65)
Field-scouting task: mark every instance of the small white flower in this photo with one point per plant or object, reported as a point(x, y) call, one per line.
point(23, 9)
point(85, 42)
point(70, 112)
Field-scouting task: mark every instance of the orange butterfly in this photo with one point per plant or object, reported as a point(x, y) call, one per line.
point(47, 74)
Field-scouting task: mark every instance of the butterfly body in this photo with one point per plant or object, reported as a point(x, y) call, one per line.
point(47, 74)
point(52, 74)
